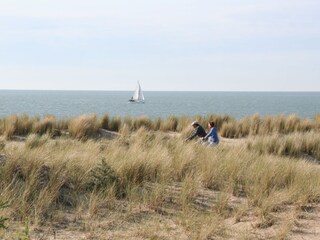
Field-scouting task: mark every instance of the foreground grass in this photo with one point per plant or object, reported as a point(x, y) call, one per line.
point(153, 186)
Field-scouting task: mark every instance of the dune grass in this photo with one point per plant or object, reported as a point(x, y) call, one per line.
point(145, 170)
point(255, 125)
point(87, 126)
point(83, 127)
point(43, 175)
point(295, 145)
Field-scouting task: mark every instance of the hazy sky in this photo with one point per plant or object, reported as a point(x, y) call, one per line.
point(230, 45)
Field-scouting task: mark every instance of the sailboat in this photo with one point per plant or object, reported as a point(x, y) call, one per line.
point(137, 95)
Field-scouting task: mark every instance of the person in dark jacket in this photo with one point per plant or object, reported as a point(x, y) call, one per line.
point(198, 131)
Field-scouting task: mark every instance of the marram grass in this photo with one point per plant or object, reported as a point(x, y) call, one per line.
point(297, 145)
point(148, 169)
point(86, 126)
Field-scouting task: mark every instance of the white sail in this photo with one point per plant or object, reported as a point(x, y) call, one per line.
point(138, 94)
point(141, 97)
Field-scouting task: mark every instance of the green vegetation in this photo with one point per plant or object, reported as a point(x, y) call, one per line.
point(2, 218)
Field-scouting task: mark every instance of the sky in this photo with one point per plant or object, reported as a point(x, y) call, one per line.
point(168, 45)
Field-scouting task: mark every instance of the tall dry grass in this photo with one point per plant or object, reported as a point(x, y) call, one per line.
point(147, 168)
point(169, 124)
point(228, 126)
point(295, 145)
point(16, 125)
point(255, 125)
point(105, 121)
point(115, 124)
point(42, 176)
point(133, 124)
point(317, 121)
point(46, 125)
point(83, 127)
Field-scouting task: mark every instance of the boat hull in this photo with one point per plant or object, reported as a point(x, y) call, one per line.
point(137, 102)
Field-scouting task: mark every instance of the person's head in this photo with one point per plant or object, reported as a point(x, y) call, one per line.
point(211, 124)
point(194, 124)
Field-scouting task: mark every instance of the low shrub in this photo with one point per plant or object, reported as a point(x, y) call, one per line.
point(2, 218)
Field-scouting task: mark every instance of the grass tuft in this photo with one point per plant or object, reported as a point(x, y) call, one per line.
point(83, 127)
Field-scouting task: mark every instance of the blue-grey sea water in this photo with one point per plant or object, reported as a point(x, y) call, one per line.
point(158, 104)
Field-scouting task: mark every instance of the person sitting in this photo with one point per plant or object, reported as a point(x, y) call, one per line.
point(198, 131)
point(212, 137)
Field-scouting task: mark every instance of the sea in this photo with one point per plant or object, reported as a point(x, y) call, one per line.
point(65, 104)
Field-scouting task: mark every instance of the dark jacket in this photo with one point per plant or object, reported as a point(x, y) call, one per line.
point(198, 132)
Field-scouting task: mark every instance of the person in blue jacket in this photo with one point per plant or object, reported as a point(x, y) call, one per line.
point(212, 137)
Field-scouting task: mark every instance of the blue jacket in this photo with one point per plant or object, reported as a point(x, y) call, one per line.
point(212, 136)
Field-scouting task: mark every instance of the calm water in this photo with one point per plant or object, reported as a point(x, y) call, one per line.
point(158, 104)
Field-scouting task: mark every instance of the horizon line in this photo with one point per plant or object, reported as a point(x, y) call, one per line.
point(105, 90)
